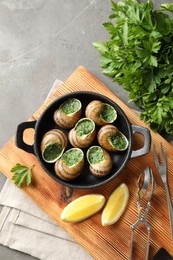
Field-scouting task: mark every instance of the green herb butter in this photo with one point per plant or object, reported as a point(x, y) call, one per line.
point(108, 113)
point(119, 141)
point(72, 156)
point(95, 155)
point(70, 106)
point(52, 151)
point(84, 127)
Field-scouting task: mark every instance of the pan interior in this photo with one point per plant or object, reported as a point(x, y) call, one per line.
point(86, 179)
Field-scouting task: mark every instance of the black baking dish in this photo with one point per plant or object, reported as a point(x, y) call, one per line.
point(86, 179)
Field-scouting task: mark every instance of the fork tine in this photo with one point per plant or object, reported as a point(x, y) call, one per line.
point(156, 159)
point(163, 156)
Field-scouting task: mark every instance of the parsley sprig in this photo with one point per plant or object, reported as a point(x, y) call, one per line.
point(139, 56)
point(21, 174)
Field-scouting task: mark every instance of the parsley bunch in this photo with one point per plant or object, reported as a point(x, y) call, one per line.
point(139, 56)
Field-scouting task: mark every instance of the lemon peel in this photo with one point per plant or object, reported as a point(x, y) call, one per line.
point(82, 208)
point(115, 205)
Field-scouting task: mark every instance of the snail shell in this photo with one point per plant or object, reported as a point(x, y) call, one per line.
point(96, 109)
point(99, 160)
point(54, 141)
point(119, 141)
point(104, 135)
point(70, 165)
point(68, 113)
point(81, 135)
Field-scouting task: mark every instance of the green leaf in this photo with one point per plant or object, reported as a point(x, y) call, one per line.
point(142, 54)
point(116, 7)
point(152, 45)
point(100, 46)
point(21, 174)
point(105, 61)
point(167, 7)
point(125, 33)
point(110, 28)
point(169, 126)
point(163, 23)
point(110, 71)
point(153, 61)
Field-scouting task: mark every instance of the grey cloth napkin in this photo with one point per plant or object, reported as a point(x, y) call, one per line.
point(26, 228)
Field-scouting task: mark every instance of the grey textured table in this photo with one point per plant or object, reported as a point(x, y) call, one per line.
point(42, 41)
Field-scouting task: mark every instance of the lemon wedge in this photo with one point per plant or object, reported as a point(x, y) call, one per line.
point(115, 205)
point(82, 208)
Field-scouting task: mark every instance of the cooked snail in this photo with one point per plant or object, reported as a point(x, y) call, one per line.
point(104, 135)
point(83, 134)
point(100, 113)
point(52, 145)
point(99, 160)
point(68, 113)
point(111, 139)
point(119, 141)
point(70, 165)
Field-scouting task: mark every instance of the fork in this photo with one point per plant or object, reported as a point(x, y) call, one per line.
point(162, 170)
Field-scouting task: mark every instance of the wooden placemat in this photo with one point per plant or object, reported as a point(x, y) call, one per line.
point(111, 242)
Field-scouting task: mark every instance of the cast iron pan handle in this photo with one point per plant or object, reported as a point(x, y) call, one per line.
point(147, 141)
point(19, 136)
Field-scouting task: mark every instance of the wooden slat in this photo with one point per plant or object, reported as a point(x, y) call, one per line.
point(101, 242)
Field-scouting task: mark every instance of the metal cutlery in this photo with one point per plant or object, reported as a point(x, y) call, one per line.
point(162, 170)
point(146, 187)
